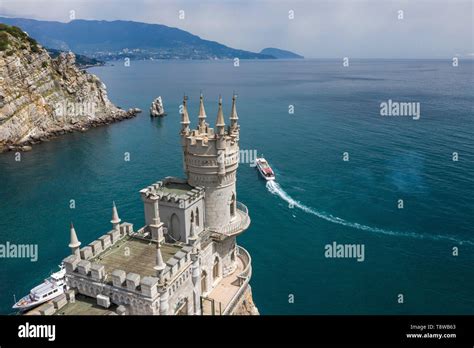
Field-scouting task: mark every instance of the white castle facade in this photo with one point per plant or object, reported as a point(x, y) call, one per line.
point(185, 260)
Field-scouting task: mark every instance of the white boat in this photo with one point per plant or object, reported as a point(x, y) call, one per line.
point(265, 169)
point(52, 287)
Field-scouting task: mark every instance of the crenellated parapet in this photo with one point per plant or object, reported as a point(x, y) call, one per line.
point(89, 276)
point(172, 206)
point(105, 242)
point(139, 294)
point(179, 262)
point(173, 190)
point(102, 243)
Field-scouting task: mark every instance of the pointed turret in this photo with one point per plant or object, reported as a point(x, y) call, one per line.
point(233, 115)
point(202, 115)
point(115, 218)
point(74, 243)
point(185, 118)
point(192, 235)
point(160, 265)
point(220, 123)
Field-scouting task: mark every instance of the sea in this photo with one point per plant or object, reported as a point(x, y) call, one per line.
point(400, 188)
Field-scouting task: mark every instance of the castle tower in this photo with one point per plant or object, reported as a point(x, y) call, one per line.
point(211, 161)
point(74, 243)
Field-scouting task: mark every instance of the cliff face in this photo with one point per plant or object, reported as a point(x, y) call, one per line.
point(42, 97)
point(246, 306)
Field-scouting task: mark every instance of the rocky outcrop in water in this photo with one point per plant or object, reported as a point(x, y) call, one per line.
point(42, 97)
point(157, 109)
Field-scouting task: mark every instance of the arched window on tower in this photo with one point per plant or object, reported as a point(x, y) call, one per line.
point(174, 227)
point(192, 217)
point(197, 216)
point(232, 205)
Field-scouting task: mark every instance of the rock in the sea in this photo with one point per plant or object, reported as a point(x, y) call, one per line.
point(157, 109)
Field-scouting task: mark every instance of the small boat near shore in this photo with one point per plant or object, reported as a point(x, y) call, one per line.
point(52, 287)
point(264, 169)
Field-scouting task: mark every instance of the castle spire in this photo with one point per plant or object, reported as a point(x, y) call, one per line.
point(192, 234)
point(74, 242)
point(185, 117)
point(202, 115)
point(220, 123)
point(115, 218)
point(233, 115)
point(160, 265)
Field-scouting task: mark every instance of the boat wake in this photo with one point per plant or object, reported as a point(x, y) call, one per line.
point(276, 189)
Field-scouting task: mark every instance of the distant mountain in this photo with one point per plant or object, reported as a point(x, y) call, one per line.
point(118, 39)
point(280, 54)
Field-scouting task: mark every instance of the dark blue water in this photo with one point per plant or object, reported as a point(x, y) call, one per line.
point(407, 251)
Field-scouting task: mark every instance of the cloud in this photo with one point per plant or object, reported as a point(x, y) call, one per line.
point(325, 29)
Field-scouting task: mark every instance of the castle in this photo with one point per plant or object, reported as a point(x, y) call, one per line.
point(185, 260)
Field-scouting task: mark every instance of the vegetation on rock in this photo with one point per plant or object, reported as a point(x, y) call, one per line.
point(6, 42)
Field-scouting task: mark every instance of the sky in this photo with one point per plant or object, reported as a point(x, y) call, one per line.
point(313, 28)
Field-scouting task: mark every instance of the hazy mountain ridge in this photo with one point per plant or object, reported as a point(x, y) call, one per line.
point(280, 54)
point(110, 40)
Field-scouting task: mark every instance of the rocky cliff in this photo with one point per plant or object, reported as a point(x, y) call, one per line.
point(246, 305)
point(42, 97)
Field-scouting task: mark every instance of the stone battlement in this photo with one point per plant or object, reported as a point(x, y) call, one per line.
point(104, 242)
point(173, 190)
point(89, 278)
point(177, 263)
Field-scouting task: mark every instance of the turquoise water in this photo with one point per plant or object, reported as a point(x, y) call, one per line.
point(407, 251)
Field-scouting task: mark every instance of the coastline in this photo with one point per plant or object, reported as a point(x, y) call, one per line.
point(26, 145)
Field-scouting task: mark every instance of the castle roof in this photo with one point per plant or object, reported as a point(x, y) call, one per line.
point(233, 114)
point(115, 217)
point(74, 242)
point(185, 115)
point(202, 111)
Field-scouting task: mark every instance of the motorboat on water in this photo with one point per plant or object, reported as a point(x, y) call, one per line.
point(52, 287)
point(265, 169)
